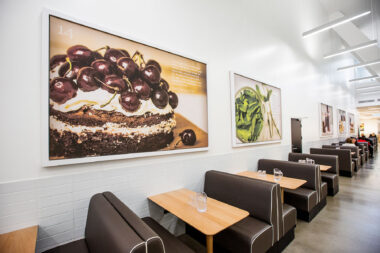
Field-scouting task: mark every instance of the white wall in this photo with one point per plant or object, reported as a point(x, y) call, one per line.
point(261, 39)
point(370, 126)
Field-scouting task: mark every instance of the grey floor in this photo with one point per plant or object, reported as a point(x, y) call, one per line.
point(350, 222)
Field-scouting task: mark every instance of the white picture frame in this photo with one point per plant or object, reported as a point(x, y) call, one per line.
point(46, 162)
point(235, 142)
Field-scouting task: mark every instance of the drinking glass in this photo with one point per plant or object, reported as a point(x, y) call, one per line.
point(277, 174)
point(201, 202)
point(310, 161)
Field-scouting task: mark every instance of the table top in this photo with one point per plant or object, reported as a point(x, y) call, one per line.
point(19, 241)
point(218, 216)
point(324, 167)
point(285, 182)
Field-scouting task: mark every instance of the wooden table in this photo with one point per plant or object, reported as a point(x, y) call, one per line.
point(285, 182)
point(324, 167)
point(19, 241)
point(218, 216)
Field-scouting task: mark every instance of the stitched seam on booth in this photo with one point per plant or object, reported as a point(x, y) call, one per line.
point(137, 245)
point(254, 239)
point(146, 243)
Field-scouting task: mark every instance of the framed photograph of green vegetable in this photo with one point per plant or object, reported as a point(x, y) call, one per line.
point(256, 112)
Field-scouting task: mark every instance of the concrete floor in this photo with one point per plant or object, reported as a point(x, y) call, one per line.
point(350, 222)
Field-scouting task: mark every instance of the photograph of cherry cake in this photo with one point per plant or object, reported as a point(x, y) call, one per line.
point(108, 100)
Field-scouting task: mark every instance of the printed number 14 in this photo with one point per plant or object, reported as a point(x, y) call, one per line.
point(68, 32)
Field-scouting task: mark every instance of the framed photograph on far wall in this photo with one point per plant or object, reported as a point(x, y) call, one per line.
point(106, 96)
point(326, 125)
point(342, 122)
point(351, 123)
point(256, 112)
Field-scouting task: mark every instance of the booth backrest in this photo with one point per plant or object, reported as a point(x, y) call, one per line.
point(331, 160)
point(344, 157)
point(153, 241)
point(331, 146)
point(106, 230)
point(257, 197)
point(308, 172)
point(353, 149)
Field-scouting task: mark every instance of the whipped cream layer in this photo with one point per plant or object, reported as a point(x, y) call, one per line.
point(113, 128)
point(100, 97)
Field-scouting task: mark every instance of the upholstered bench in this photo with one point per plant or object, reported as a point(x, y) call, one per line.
point(307, 199)
point(112, 227)
point(330, 176)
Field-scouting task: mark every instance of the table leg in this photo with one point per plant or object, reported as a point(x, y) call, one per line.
point(209, 243)
point(282, 195)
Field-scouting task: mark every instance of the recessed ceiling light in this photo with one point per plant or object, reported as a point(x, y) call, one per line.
point(351, 49)
point(334, 23)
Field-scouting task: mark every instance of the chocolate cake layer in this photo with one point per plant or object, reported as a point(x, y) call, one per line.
point(70, 145)
point(87, 116)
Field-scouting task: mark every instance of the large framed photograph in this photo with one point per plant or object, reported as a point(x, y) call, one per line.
point(326, 125)
point(342, 123)
point(256, 112)
point(107, 96)
point(351, 123)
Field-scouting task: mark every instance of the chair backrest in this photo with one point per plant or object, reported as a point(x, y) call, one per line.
point(106, 230)
point(153, 242)
point(330, 160)
point(257, 197)
point(344, 157)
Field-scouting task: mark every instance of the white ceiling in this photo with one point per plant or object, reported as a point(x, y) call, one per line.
point(361, 30)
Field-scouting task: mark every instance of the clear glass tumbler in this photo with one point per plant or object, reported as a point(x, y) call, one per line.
point(201, 202)
point(277, 174)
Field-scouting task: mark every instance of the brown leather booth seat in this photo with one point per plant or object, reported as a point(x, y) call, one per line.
point(307, 199)
point(264, 228)
point(346, 165)
point(331, 176)
point(365, 147)
point(356, 157)
point(112, 227)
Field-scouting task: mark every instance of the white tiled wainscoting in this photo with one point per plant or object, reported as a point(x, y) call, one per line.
point(59, 204)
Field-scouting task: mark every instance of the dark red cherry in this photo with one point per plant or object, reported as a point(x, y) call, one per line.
point(129, 101)
point(151, 75)
point(89, 79)
point(141, 88)
point(114, 83)
point(113, 55)
point(154, 63)
point(164, 85)
point(57, 60)
point(96, 55)
point(160, 98)
point(173, 99)
point(125, 52)
point(188, 137)
point(80, 53)
point(71, 74)
point(128, 67)
point(103, 66)
point(62, 89)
